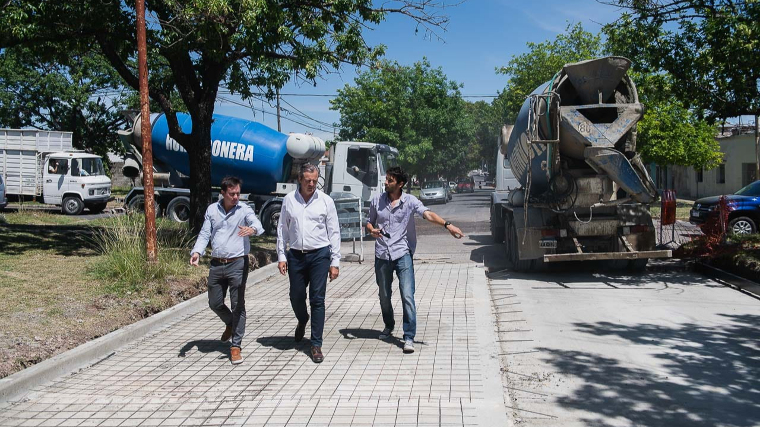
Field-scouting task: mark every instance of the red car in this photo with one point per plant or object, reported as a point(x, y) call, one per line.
point(465, 186)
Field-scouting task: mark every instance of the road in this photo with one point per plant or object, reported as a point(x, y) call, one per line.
point(587, 346)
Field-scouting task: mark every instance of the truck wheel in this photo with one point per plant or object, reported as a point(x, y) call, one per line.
point(637, 265)
point(270, 218)
point(497, 228)
point(741, 225)
point(137, 204)
point(72, 205)
point(97, 208)
point(178, 210)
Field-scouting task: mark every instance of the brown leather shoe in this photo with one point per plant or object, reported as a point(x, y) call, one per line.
point(300, 331)
point(227, 333)
point(235, 357)
point(316, 354)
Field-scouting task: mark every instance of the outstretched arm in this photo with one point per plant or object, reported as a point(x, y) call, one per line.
point(435, 219)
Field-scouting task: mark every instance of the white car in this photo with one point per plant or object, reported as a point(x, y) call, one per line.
point(3, 199)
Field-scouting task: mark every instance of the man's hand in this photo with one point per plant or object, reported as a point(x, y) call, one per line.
point(375, 233)
point(246, 231)
point(455, 231)
point(194, 259)
point(283, 267)
point(334, 271)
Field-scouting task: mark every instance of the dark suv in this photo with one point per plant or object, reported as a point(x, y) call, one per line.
point(743, 208)
point(465, 186)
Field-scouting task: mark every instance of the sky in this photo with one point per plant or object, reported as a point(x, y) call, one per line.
point(481, 35)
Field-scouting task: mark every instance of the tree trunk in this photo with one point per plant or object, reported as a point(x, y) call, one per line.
point(198, 146)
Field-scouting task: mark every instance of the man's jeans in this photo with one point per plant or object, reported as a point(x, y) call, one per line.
point(233, 276)
point(404, 268)
point(309, 270)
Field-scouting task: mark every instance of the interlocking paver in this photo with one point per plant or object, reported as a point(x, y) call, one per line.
point(182, 376)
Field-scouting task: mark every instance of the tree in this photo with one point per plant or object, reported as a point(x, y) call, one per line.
point(195, 45)
point(486, 123)
point(68, 93)
point(416, 109)
point(530, 70)
point(710, 48)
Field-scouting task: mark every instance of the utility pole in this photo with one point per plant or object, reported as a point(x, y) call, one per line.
point(147, 148)
point(279, 128)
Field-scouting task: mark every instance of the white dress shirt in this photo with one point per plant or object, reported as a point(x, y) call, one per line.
point(308, 225)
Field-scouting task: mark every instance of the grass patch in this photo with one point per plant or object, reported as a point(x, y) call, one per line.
point(123, 261)
point(683, 207)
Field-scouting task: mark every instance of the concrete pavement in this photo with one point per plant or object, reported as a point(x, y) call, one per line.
point(182, 376)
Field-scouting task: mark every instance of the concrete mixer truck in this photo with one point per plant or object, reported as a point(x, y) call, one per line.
point(584, 192)
point(266, 160)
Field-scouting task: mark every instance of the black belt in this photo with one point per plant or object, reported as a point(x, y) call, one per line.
point(226, 260)
point(305, 251)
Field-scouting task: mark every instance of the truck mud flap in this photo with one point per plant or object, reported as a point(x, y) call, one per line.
point(600, 256)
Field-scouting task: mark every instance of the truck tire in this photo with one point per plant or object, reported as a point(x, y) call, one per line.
point(97, 208)
point(637, 265)
point(497, 227)
point(178, 209)
point(270, 217)
point(72, 205)
point(137, 204)
point(742, 225)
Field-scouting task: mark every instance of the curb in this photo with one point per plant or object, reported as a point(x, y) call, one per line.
point(14, 386)
point(729, 279)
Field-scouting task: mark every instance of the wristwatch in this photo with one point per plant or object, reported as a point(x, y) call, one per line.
point(446, 225)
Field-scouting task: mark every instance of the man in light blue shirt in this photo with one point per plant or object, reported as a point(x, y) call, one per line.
point(391, 222)
point(228, 225)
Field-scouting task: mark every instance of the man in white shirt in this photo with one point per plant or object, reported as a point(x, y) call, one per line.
point(228, 225)
point(309, 226)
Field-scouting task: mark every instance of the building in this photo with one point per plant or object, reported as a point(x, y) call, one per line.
point(736, 171)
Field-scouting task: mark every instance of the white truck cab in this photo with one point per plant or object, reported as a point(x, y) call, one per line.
point(359, 168)
point(75, 180)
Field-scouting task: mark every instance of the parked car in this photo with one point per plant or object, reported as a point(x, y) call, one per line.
point(743, 207)
point(3, 199)
point(434, 192)
point(465, 186)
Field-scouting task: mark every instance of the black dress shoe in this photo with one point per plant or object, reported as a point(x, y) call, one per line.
point(300, 331)
point(316, 354)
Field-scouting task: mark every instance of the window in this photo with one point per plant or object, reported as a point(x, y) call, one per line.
point(362, 164)
point(89, 167)
point(700, 175)
point(721, 174)
point(748, 174)
point(58, 166)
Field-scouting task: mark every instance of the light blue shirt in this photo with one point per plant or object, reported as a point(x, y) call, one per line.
point(221, 228)
point(398, 221)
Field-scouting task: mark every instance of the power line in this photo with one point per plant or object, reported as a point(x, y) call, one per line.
point(230, 101)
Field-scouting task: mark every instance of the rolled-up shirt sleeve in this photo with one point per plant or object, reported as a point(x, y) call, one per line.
point(253, 221)
point(418, 207)
point(283, 231)
point(373, 212)
point(203, 236)
point(333, 233)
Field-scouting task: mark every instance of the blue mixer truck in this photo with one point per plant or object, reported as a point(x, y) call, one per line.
point(266, 160)
point(585, 193)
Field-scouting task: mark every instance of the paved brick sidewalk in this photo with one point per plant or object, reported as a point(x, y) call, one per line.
point(182, 376)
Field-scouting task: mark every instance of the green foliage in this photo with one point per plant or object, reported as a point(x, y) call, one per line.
point(416, 109)
point(122, 244)
point(486, 123)
point(710, 49)
point(543, 60)
point(62, 94)
point(669, 133)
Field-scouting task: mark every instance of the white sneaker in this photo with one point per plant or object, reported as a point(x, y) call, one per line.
point(387, 333)
point(408, 346)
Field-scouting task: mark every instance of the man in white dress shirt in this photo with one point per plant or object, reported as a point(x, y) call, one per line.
point(309, 227)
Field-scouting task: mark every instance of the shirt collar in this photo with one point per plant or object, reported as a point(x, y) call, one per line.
point(401, 199)
point(300, 198)
point(224, 212)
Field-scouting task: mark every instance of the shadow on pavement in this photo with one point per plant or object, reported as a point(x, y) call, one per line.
point(64, 240)
point(369, 334)
point(709, 376)
point(207, 346)
point(286, 342)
